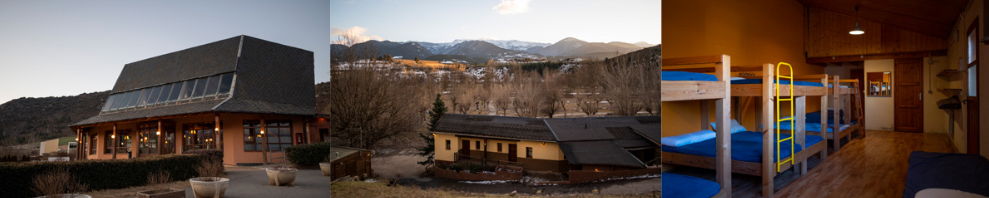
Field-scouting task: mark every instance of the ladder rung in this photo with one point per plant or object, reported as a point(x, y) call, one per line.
point(785, 139)
point(787, 77)
point(785, 119)
point(788, 99)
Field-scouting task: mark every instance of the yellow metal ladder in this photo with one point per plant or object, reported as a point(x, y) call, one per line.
point(780, 99)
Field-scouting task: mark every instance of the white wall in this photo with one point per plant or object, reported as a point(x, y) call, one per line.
point(879, 109)
point(935, 119)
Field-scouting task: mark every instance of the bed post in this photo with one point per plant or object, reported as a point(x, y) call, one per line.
point(768, 165)
point(758, 115)
point(824, 118)
point(836, 135)
point(706, 114)
point(800, 127)
point(722, 164)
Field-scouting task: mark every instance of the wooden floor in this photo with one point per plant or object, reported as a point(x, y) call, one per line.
point(870, 166)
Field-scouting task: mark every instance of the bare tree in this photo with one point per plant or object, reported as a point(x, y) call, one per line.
point(368, 105)
point(502, 99)
point(528, 96)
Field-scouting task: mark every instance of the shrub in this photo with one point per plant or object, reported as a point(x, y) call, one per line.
point(97, 174)
point(207, 154)
point(308, 154)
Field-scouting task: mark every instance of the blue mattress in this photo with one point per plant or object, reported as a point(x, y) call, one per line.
point(783, 82)
point(745, 146)
point(816, 127)
point(969, 173)
point(815, 117)
point(687, 76)
point(677, 185)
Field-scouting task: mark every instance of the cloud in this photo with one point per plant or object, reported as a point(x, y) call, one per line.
point(508, 7)
point(352, 35)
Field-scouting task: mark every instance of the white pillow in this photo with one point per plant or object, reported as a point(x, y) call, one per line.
point(737, 78)
point(690, 138)
point(735, 126)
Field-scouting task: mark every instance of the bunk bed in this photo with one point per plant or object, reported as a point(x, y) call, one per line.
point(748, 148)
point(841, 120)
point(684, 186)
point(679, 83)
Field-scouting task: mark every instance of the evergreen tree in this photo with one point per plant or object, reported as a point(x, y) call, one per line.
point(439, 108)
point(417, 60)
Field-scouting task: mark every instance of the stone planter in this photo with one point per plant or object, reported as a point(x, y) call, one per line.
point(281, 176)
point(203, 187)
point(68, 196)
point(325, 167)
point(162, 193)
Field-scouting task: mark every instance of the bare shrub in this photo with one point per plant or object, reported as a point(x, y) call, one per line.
point(56, 182)
point(210, 170)
point(158, 179)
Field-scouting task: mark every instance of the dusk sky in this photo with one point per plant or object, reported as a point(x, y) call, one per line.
point(546, 21)
point(61, 48)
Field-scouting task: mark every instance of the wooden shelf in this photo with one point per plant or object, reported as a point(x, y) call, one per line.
point(948, 72)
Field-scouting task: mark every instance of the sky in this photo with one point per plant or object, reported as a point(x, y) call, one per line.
point(546, 21)
point(63, 48)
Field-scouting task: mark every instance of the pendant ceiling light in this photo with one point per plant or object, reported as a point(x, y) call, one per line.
point(857, 30)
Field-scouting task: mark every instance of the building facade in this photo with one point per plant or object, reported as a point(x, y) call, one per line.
point(551, 144)
point(248, 97)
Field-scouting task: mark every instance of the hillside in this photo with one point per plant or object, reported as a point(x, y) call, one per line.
point(476, 49)
point(25, 120)
point(406, 50)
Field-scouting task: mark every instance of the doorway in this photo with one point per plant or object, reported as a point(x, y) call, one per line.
point(907, 99)
point(513, 153)
point(972, 98)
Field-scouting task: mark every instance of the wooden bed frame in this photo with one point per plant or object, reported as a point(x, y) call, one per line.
point(766, 169)
point(840, 96)
point(720, 92)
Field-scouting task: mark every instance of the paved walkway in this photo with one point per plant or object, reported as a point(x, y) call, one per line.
point(253, 182)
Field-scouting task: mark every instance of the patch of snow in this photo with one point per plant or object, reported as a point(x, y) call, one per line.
point(370, 180)
point(489, 182)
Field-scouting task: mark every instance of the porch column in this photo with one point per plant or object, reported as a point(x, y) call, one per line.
point(113, 145)
point(78, 144)
point(216, 133)
point(264, 144)
point(160, 139)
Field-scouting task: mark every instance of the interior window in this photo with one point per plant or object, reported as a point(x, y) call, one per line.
point(972, 86)
point(973, 42)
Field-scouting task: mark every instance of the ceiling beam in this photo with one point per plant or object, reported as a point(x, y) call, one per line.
point(919, 25)
point(862, 57)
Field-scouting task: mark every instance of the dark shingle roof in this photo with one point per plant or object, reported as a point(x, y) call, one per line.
point(204, 60)
point(603, 128)
point(496, 126)
point(603, 152)
point(270, 78)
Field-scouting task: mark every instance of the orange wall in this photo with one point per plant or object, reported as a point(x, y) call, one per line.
point(751, 33)
point(233, 136)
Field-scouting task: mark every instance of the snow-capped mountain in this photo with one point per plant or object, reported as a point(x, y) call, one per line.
point(438, 48)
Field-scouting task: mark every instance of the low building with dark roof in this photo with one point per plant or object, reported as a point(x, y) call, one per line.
point(550, 144)
point(248, 97)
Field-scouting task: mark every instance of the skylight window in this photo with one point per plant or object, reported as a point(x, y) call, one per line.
point(206, 87)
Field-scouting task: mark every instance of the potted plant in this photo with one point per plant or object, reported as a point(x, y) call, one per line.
point(157, 181)
point(58, 183)
point(210, 182)
point(280, 175)
point(325, 166)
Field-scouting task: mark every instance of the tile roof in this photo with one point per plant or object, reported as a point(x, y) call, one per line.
point(604, 128)
point(601, 152)
point(270, 78)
